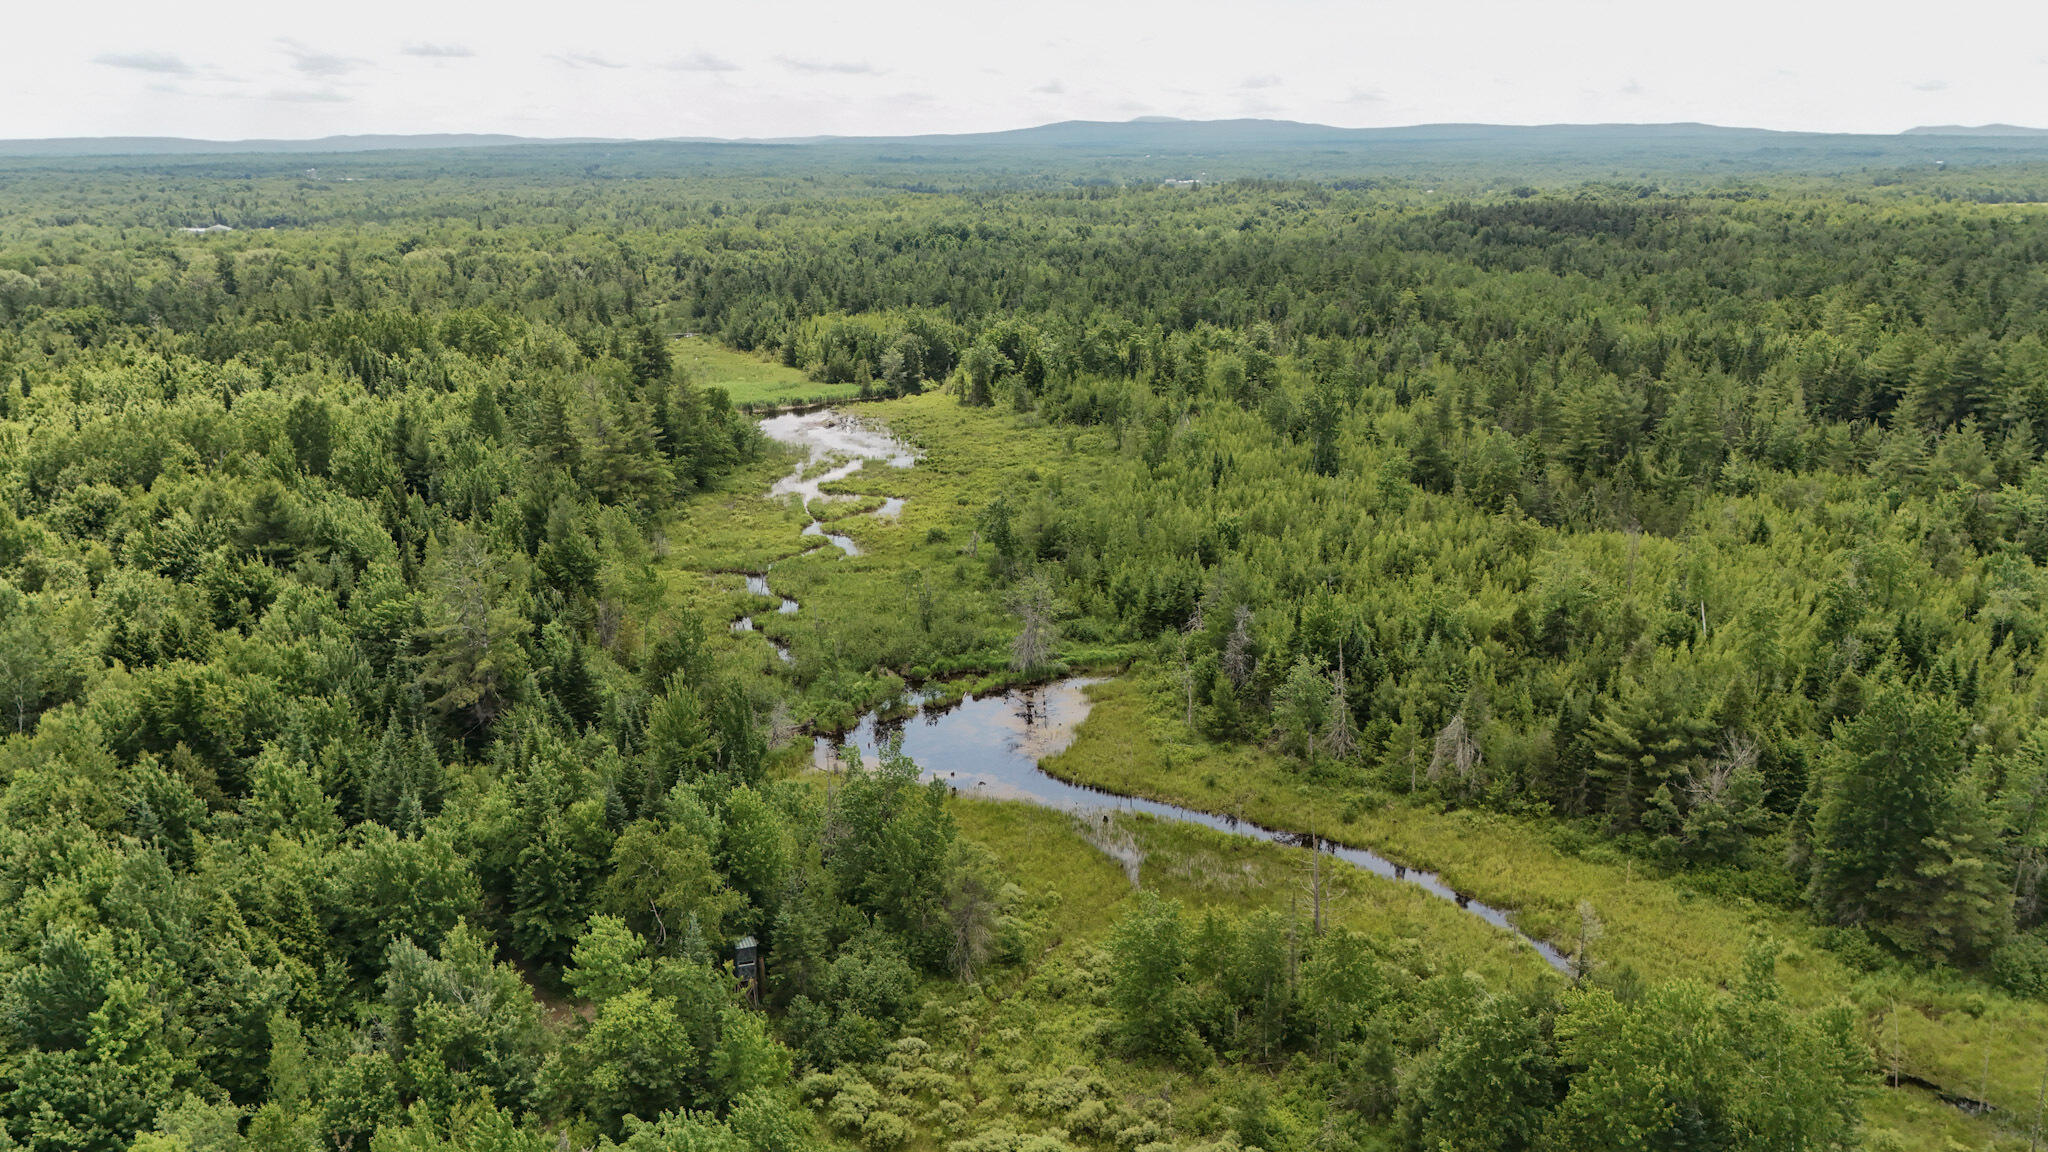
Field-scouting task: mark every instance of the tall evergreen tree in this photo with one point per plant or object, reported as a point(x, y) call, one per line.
point(1900, 840)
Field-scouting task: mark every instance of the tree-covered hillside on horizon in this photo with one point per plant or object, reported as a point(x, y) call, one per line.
point(378, 769)
point(1990, 161)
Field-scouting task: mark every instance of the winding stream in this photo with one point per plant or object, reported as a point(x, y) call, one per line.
point(844, 442)
point(990, 746)
point(847, 443)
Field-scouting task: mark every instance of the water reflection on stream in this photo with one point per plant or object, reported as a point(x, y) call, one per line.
point(843, 543)
point(826, 436)
point(990, 747)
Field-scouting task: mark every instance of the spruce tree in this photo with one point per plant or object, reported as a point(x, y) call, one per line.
point(1899, 839)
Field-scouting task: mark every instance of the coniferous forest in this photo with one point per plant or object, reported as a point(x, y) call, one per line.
point(393, 754)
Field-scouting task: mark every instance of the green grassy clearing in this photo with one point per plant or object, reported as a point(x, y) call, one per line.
point(748, 379)
point(1207, 869)
point(860, 632)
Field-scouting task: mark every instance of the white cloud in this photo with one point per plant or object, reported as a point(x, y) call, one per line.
point(160, 62)
point(701, 62)
point(586, 60)
point(314, 62)
point(439, 51)
point(307, 96)
point(1267, 80)
point(841, 67)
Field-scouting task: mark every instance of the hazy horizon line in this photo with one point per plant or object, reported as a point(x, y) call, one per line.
point(1990, 127)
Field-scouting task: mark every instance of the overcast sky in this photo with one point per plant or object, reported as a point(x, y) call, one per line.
point(226, 69)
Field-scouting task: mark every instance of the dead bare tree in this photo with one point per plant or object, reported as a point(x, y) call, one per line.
point(1590, 931)
point(1342, 738)
point(1738, 753)
point(1315, 879)
point(1457, 752)
point(782, 725)
point(971, 921)
point(1187, 664)
point(609, 619)
point(1238, 659)
point(1035, 605)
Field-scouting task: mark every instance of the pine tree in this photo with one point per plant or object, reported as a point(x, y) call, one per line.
point(474, 663)
point(486, 415)
point(1900, 839)
point(624, 462)
point(1646, 737)
point(1956, 904)
point(1301, 708)
point(310, 427)
point(681, 747)
point(651, 361)
point(1225, 718)
point(553, 435)
point(566, 559)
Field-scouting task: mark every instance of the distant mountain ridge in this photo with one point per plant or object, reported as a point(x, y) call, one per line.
point(187, 146)
point(1977, 130)
point(1142, 135)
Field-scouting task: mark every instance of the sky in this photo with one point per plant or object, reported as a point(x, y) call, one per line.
point(236, 69)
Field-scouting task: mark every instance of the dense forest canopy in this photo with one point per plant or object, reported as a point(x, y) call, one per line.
point(366, 782)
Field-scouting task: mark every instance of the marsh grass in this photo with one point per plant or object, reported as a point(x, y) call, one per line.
point(862, 613)
point(1950, 1030)
point(1028, 1048)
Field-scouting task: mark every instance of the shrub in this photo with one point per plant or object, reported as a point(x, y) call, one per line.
point(882, 1131)
point(1854, 947)
point(2021, 965)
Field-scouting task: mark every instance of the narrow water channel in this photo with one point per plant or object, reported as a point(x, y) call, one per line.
point(847, 443)
point(843, 543)
point(990, 747)
point(835, 446)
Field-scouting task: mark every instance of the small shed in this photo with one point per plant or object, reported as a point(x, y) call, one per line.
point(746, 965)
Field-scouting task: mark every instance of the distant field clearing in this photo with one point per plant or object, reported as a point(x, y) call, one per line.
point(750, 379)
